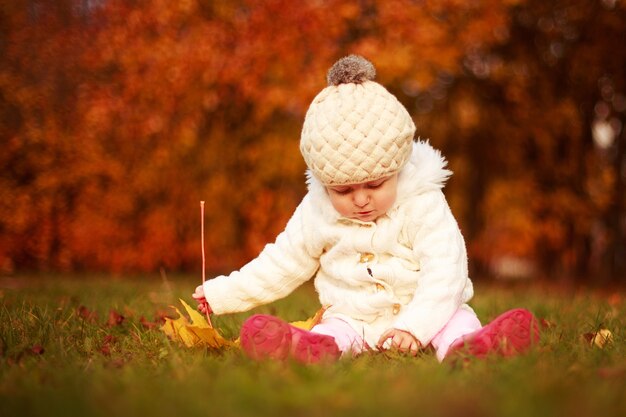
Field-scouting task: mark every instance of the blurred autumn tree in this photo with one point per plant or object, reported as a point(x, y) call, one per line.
point(537, 123)
point(118, 117)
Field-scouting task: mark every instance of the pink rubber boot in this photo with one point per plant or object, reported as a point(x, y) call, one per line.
point(268, 337)
point(510, 334)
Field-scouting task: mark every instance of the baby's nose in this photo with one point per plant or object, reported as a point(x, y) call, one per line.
point(361, 198)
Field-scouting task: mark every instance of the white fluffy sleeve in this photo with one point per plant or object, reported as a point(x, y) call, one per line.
point(279, 269)
point(444, 284)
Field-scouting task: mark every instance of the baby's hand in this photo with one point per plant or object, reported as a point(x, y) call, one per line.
point(203, 305)
point(199, 293)
point(401, 340)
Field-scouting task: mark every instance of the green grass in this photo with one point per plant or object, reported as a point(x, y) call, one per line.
point(91, 368)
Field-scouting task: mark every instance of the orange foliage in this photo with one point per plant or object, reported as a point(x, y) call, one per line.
point(118, 117)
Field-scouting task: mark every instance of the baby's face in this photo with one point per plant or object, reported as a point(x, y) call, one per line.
point(364, 201)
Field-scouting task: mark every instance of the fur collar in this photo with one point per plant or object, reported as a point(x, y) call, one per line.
point(425, 171)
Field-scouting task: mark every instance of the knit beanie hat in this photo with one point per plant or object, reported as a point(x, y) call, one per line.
point(355, 130)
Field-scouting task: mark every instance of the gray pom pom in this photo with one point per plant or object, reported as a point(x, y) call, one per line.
point(351, 69)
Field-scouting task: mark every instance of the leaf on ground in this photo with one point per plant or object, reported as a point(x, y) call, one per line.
point(196, 332)
point(87, 315)
point(599, 339)
point(146, 323)
point(310, 323)
point(106, 347)
point(115, 318)
point(161, 315)
point(547, 324)
point(37, 349)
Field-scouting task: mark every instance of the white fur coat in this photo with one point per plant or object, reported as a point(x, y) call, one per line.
point(407, 270)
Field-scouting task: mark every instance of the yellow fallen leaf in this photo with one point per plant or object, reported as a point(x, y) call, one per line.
point(601, 338)
point(310, 323)
point(198, 332)
point(194, 333)
point(197, 319)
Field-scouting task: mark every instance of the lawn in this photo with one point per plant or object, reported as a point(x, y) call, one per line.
point(91, 346)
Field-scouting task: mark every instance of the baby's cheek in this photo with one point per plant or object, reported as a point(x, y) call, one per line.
point(339, 204)
point(388, 202)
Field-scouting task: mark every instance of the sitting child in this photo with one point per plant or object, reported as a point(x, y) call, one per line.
point(376, 234)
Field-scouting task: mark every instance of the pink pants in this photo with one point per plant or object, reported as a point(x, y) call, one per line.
point(348, 340)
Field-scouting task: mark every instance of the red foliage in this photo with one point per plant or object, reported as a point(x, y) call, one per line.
point(117, 118)
point(115, 318)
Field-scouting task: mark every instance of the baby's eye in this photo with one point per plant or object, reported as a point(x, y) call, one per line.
point(376, 184)
point(341, 191)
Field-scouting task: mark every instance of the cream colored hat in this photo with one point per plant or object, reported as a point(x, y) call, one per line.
point(355, 130)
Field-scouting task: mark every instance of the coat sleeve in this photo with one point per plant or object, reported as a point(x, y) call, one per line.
point(444, 284)
point(279, 269)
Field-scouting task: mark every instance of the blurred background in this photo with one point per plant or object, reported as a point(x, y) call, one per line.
point(118, 117)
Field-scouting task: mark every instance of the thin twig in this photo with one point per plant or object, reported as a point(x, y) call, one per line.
point(208, 318)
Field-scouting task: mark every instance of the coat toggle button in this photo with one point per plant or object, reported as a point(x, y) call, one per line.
point(366, 257)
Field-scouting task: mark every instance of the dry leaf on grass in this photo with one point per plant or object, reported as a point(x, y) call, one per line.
point(600, 339)
point(308, 324)
point(87, 315)
point(198, 332)
point(194, 333)
point(547, 324)
point(106, 347)
point(115, 318)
